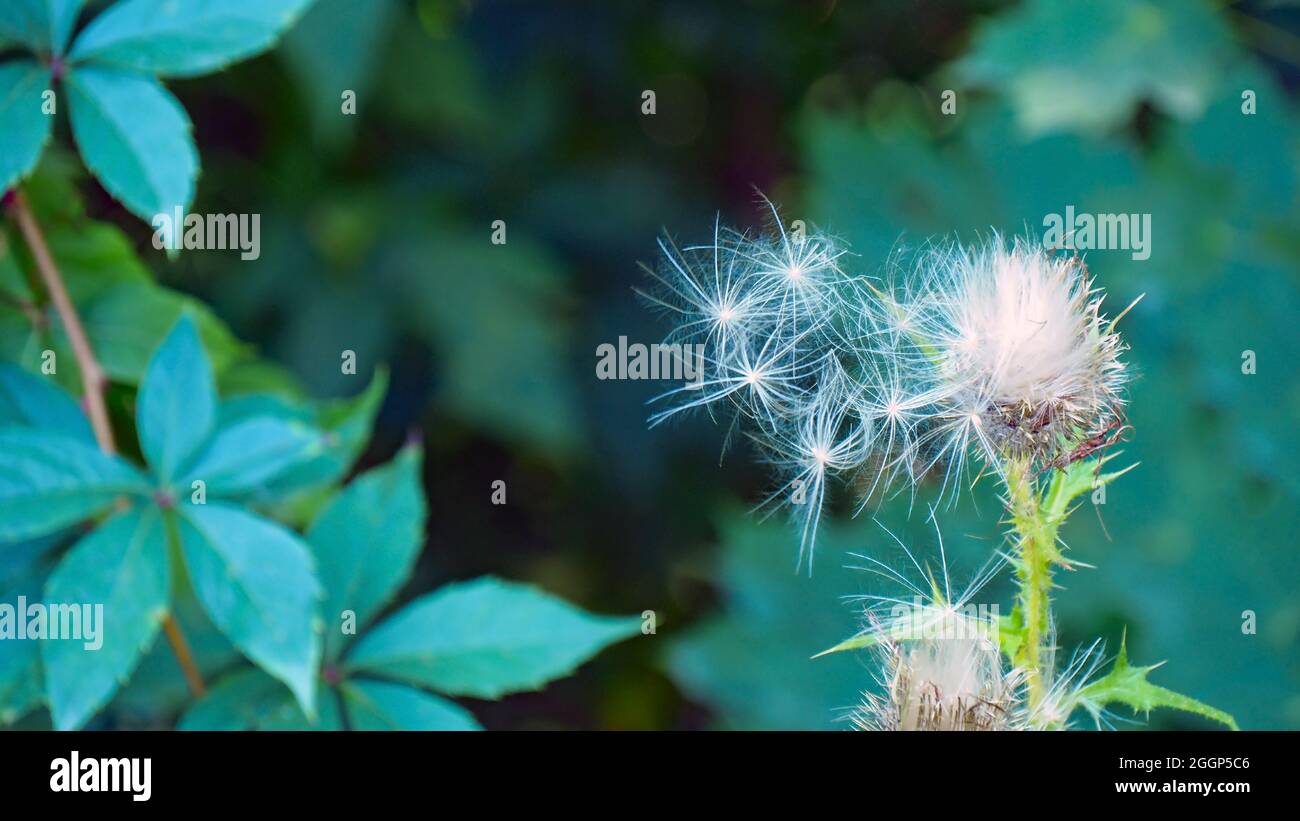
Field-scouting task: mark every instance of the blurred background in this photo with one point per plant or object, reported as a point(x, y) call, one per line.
point(376, 234)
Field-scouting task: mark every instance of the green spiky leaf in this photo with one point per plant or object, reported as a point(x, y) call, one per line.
point(1128, 685)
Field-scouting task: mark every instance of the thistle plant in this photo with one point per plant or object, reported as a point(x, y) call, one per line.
point(994, 360)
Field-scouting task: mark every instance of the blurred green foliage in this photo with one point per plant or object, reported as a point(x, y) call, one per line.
point(375, 238)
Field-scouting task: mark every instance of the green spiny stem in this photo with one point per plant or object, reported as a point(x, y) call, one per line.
point(1036, 550)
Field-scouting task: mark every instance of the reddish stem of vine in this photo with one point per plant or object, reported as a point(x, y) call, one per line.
point(93, 382)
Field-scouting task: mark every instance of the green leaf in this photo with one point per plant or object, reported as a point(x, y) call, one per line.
point(177, 405)
point(249, 699)
point(127, 322)
point(27, 400)
point(377, 705)
point(297, 495)
point(486, 638)
point(24, 126)
point(366, 541)
point(135, 137)
point(24, 22)
point(42, 25)
point(122, 570)
point(158, 690)
point(50, 481)
point(1075, 480)
point(255, 581)
point(252, 453)
point(1128, 685)
point(184, 38)
point(1088, 65)
point(337, 45)
point(21, 682)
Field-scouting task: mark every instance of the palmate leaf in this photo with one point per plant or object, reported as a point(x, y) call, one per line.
point(184, 38)
point(485, 638)
point(24, 125)
point(177, 405)
point(1128, 685)
point(365, 542)
point(49, 481)
point(135, 137)
point(123, 566)
point(256, 582)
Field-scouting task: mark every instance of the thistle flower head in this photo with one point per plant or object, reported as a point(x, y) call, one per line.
point(1026, 362)
point(943, 684)
point(941, 664)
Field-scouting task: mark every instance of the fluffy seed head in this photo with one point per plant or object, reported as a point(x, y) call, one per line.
point(961, 356)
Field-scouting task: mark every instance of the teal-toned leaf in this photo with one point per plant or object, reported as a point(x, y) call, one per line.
point(378, 705)
point(177, 405)
point(25, 22)
point(1068, 64)
point(62, 16)
point(121, 570)
point(348, 423)
point(365, 542)
point(42, 25)
point(49, 481)
point(255, 580)
point(249, 699)
point(28, 400)
point(135, 137)
point(24, 124)
point(1128, 685)
point(184, 38)
point(252, 453)
point(486, 638)
point(22, 686)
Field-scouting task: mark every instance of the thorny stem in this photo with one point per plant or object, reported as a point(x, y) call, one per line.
point(1035, 547)
point(93, 382)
